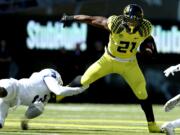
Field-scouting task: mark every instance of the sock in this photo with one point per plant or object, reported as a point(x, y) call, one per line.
point(148, 110)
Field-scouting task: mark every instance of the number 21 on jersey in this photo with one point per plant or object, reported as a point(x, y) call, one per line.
point(125, 46)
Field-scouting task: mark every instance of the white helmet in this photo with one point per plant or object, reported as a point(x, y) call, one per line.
point(54, 74)
point(57, 76)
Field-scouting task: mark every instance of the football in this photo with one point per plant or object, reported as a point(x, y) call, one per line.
point(147, 49)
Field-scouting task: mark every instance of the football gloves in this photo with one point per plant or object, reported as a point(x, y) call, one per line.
point(66, 19)
point(171, 70)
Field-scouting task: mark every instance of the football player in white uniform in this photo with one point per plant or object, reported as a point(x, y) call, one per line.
point(169, 127)
point(33, 92)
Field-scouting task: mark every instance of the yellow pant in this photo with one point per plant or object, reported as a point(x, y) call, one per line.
point(130, 71)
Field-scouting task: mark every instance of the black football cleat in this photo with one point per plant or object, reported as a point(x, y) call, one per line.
point(1, 126)
point(24, 125)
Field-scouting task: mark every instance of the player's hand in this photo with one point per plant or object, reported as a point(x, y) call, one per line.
point(171, 70)
point(66, 19)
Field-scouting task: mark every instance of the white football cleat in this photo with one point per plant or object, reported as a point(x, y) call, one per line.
point(172, 103)
point(168, 128)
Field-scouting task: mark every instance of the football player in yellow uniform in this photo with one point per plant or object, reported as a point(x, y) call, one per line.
point(127, 32)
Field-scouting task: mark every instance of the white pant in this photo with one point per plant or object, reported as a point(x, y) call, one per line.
point(11, 100)
point(4, 106)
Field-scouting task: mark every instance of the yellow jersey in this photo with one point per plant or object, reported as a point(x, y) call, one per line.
point(124, 42)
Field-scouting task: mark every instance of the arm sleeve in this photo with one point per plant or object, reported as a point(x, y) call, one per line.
point(58, 89)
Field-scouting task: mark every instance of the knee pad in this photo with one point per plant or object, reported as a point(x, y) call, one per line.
point(34, 110)
point(142, 96)
point(141, 92)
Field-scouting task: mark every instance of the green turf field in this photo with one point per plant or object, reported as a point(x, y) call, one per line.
point(87, 119)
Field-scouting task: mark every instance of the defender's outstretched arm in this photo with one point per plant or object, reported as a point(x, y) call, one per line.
point(171, 70)
point(64, 91)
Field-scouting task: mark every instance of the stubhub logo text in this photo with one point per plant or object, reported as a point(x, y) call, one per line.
point(53, 36)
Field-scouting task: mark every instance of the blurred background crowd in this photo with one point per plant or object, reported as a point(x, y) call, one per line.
point(33, 38)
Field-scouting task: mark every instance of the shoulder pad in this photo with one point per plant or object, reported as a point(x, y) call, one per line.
point(115, 24)
point(145, 28)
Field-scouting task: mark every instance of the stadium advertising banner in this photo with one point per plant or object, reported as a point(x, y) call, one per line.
point(53, 36)
point(167, 40)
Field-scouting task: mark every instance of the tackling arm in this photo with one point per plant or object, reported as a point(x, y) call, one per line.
point(64, 91)
point(97, 21)
point(171, 70)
